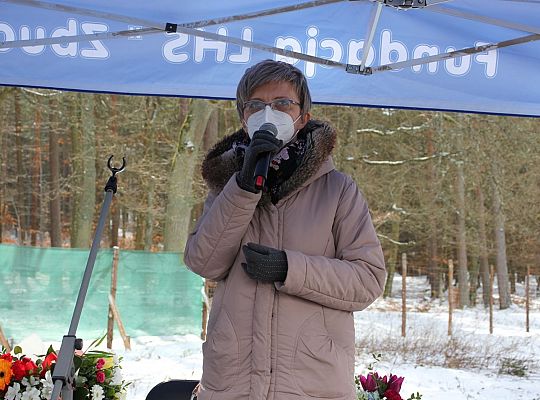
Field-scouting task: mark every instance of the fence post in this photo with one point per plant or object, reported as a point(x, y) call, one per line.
point(450, 294)
point(118, 320)
point(491, 279)
point(527, 298)
point(110, 318)
point(403, 294)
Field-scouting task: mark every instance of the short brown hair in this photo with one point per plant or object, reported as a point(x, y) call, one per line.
point(272, 71)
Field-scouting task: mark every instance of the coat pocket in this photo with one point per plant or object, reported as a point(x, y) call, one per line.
point(321, 367)
point(220, 355)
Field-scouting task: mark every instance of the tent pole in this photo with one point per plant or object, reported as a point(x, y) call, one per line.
point(374, 21)
point(146, 23)
point(455, 54)
point(483, 19)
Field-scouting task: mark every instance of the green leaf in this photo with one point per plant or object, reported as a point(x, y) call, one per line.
point(17, 350)
point(77, 362)
point(96, 342)
point(81, 393)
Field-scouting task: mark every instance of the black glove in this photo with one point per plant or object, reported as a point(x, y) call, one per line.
point(265, 263)
point(261, 142)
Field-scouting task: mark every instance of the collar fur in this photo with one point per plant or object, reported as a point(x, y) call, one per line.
point(221, 163)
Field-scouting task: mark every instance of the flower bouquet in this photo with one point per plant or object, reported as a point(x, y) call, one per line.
point(97, 375)
point(373, 386)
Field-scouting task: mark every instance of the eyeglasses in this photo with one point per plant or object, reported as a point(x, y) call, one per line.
point(284, 105)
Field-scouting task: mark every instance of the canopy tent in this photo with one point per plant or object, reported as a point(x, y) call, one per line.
point(461, 55)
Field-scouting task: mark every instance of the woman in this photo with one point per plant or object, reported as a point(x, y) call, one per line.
point(292, 261)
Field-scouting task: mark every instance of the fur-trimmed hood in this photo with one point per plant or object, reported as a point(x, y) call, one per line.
point(221, 161)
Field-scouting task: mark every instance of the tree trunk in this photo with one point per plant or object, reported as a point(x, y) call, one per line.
point(55, 227)
point(500, 243)
point(19, 151)
point(125, 222)
point(434, 273)
point(473, 282)
point(482, 239)
point(151, 186)
point(35, 211)
point(3, 166)
point(140, 222)
point(115, 223)
point(179, 196)
point(512, 276)
point(84, 172)
point(115, 208)
point(393, 258)
point(463, 278)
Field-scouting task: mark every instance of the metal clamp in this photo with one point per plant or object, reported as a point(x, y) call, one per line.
point(111, 183)
point(171, 28)
point(357, 69)
point(405, 3)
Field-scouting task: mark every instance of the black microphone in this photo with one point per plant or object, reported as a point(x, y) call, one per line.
point(263, 163)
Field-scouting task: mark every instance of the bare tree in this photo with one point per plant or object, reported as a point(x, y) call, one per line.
point(180, 190)
point(500, 243)
point(482, 239)
point(55, 221)
point(84, 172)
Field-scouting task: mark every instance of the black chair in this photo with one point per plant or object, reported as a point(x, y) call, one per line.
point(175, 389)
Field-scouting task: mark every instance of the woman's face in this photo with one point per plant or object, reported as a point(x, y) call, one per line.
point(279, 90)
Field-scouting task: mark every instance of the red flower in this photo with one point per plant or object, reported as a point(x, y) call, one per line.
point(21, 368)
point(7, 357)
point(100, 377)
point(29, 366)
point(392, 395)
point(18, 369)
point(47, 363)
point(100, 363)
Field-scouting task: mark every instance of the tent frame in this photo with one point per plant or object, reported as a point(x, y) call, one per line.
point(193, 28)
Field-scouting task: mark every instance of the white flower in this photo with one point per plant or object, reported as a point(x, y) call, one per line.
point(34, 381)
point(117, 377)
point(121, 395)
point(97, 393)
point(25, 382)
point(31, 393)
point(14, 392)
point(48, 386)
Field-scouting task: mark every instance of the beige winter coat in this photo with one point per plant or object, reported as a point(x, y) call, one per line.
point(292, 340)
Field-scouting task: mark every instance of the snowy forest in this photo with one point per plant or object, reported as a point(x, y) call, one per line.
point(440, 186)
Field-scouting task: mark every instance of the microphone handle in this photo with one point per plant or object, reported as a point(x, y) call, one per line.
point(261, 170)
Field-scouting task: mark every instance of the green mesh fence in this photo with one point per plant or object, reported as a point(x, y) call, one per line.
point(156, 294)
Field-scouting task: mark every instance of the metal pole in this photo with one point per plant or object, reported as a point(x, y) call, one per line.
point(64, 371)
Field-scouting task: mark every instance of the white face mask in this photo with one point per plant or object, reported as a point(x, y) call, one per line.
point(283, 122)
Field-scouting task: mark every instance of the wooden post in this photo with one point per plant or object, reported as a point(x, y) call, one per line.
point(527, 298)
point(118, 320)
point(3, 340)
point(450, 294)
point(491, 279)
point(403, 293)
point(114, 277)
point(204, 320)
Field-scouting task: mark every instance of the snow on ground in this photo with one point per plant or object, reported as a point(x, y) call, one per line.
point(423, 357)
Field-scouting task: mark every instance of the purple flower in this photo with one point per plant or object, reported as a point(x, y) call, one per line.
point(394, 383)
point(369, 382)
